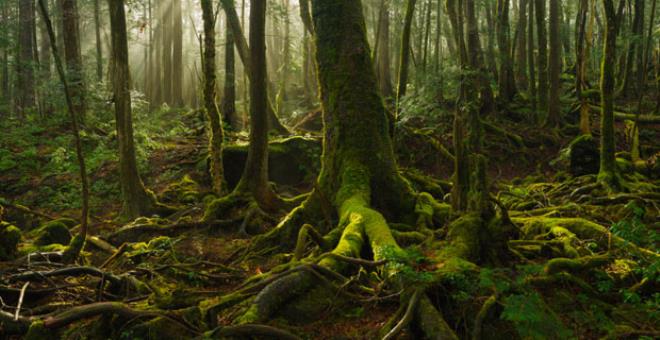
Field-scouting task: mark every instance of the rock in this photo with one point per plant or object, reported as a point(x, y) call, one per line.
point(584, 156)
point(10, 236)
point(53, 232)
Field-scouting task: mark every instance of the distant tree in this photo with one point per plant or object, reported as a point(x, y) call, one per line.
point(542, 57)
point(25, 62)
point(506, 81)
point(553, 117)
point(404, 58)
point(72, 54)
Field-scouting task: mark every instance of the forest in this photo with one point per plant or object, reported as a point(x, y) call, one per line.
point(329, 169)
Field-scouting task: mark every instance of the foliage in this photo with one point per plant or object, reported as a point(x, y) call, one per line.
point(532, 318)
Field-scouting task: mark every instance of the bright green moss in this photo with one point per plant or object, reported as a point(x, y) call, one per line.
point(10, 236)
point(54, 232)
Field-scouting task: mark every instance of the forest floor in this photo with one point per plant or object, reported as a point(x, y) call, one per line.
point(178, 267)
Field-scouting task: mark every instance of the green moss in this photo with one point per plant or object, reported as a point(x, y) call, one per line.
point(10, 236)
point(54, 232)
point(74, 249)
point(37, 331)
point(184, 191)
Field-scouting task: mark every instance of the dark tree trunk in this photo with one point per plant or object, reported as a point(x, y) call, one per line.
point(166, 54)
point(553, 117)
point(542, 58)
point(72, 55)
point(25, 99)
point(530, 55)
point(5, 94)
point(506, 82)
point(521, 46)
point(137, 201)
point(99, 46)
point(608, 172)
point(404, 58)
point(177, 54)
point(383, 53)
point(229, 91)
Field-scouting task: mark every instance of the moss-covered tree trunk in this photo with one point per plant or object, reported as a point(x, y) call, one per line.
point(72, 54)
point(136, 200)
point(581, 65)
point(216, 134)
point(553, 117)
point(542, 57)
point(607, 173)
point(530, 56)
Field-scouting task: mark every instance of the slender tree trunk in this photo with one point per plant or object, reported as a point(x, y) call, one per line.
point(283, 73)
point(506, 80)
point(405, 52)
point(229, 91)
point(608, 172)
point(5, 91)
point(383, 53)
point(255, 174)
point(77, 243)
point(45, 59)
point(427, 34)
point(216, 134)
point(490, 23)
point(99, 47)
point(72, 54)
point(25, 100)
point(521, 46)
point(166, 54)
point(177, 54)
point(542, 57)
point(634, 53)
point(580, 65)
point(137, 201)
point(553, 117)
point(530, 55)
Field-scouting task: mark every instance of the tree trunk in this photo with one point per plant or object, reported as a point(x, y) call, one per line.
point(177, 54)
point(542, 58)
point(404, 58)
point(166, 54)
point(530, 56)
point(244, 53)
point(284, 68)
point(25, 100)
point(254, 180)
point(553, 117)
point(608, 172)
point(506, 81)
point(45, 59)
point(383, 53)
point(490, 23)
point(634, 53)
point(581, 66)
point(5, 94)
point(99, 47)
point(521, 46)
point(137, 201)
point(216, 135)
point(229, 91)
point(73, 56)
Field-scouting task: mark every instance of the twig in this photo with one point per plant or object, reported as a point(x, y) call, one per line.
point(407, 317)
point(20, 301)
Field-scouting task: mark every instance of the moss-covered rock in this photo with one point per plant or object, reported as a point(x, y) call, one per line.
point(184, 191)
point(584, 156)
point(10, 236)
point(53, 232)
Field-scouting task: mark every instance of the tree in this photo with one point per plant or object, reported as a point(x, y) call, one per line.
point(25, 99)
point(581, 65)
point(553, 117)
point(5, 94)
point(542, 57)
point(530, 55)
point(506, 81)
point(608, 174)
point(216, 134)
point(166, 53)
point(72, 54)
point(99, 46)
point(229, 92)
point(521, 45)
point(382, 52)
point(177, 54)
point(137, 201)
point(402, 82)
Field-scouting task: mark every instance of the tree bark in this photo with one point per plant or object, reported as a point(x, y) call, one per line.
point(216, 135)
point(229, 91)
point(521, 46)
point(608, 172)
point(137, 201)
point(404, 58)
point(25, 100)
point(99, 47)
point(166, 54)
point(177, 54)
point(542, 58)
point(553, 118)
point(73, 56)
point(506, 81)
point(530, 56)
point(383, 53)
